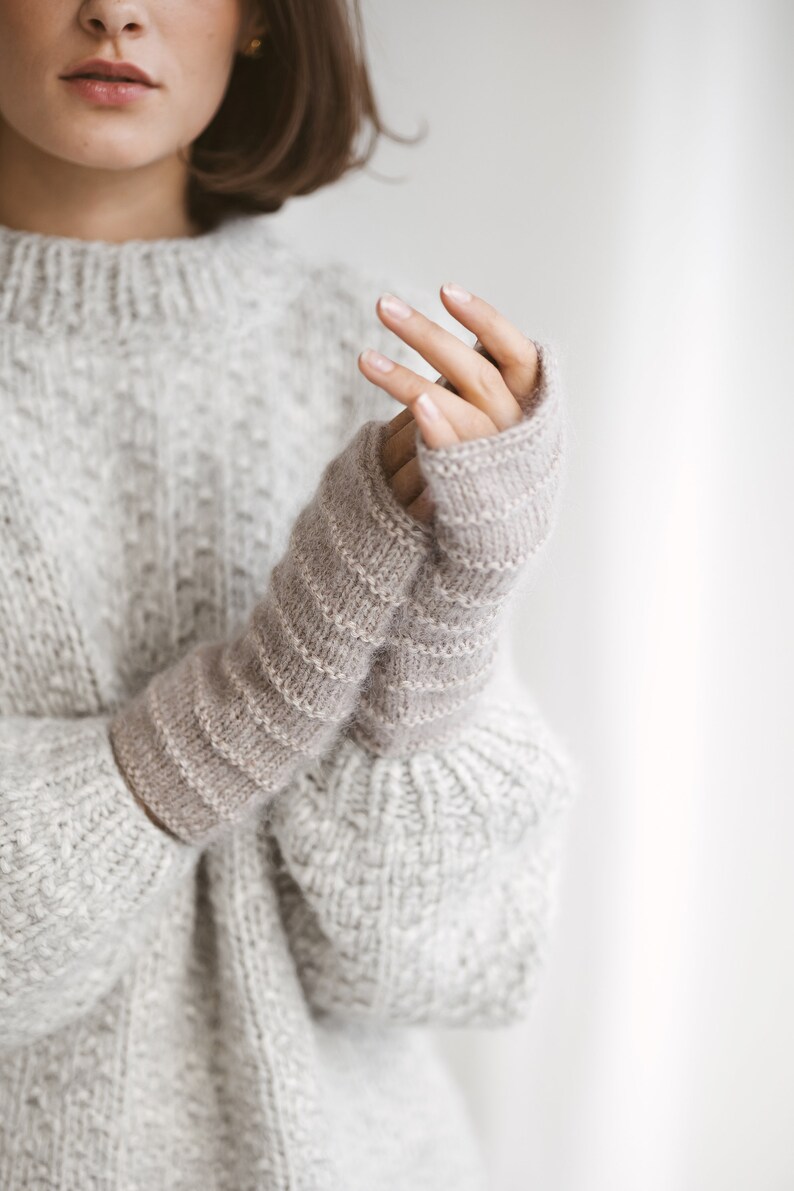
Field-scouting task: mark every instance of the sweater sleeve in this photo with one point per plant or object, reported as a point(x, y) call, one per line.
point(422, 889)
point(418, 865)
point(84, 872)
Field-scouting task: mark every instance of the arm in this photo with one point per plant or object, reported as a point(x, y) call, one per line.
point(209, 739)
point(418, 866)
point(84, 873)
point(496, 502)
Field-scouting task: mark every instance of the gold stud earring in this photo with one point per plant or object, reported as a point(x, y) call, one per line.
point(253, 49)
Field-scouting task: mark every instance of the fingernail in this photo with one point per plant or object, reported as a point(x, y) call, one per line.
point(456, 292)
point(394, 306)
point(376, 360)
point(427, 406)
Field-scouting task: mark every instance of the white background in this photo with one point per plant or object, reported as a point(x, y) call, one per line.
point(618, 175)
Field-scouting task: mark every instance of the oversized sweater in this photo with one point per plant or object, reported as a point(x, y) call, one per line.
point(264, 817)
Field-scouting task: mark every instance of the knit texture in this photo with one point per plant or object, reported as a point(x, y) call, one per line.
point(204, 573)
point(231, 722)
point(496, 501)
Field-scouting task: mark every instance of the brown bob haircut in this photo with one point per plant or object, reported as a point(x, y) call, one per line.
point(289, 120)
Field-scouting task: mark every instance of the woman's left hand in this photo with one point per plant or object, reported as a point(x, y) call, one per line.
point(489, 395)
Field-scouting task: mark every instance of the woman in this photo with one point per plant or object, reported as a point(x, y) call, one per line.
point(262, 815)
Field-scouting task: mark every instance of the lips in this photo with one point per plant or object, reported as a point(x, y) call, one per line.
point(109, 71)
point(106, 78)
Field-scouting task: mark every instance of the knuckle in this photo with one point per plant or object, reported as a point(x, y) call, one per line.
point(522, 355)
point(480, 424)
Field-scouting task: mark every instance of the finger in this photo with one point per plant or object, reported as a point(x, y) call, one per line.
point(401, 447)
point(422, 507)
point(435, 429)
point(477, 347)
point(515, 354)
point(408, 482)
point(467, 420)
point(474, 377)
point(403, 418)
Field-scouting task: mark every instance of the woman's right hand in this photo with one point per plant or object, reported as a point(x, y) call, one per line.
point(489, 390)
point(402, 467)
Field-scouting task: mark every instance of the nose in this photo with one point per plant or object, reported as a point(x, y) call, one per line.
point(110, 18)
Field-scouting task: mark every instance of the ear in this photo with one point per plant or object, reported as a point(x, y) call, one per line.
point(252, 23)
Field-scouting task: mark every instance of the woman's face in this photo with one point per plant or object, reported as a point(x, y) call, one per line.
point(187, 47)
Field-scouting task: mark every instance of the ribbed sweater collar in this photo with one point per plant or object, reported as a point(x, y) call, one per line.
point(62, 285)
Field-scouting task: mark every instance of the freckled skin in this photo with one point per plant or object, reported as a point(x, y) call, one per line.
point(55, 143)
point(63, 161)
point(71, 167)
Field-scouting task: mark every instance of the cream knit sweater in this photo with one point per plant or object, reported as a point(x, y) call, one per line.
point(210, 597)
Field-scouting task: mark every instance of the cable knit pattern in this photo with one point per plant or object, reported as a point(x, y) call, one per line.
point(495, 505)
point(202, 571)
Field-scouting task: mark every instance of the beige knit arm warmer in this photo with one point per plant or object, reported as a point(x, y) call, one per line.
point(496, 503)
point(84, 874)
point(213, 736)
point(418, 862)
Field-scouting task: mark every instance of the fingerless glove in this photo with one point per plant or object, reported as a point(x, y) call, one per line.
point(495, 505)
point(225, 727)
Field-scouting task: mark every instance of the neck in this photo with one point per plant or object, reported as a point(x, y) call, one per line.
point(179, 287)
point(54, 196)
